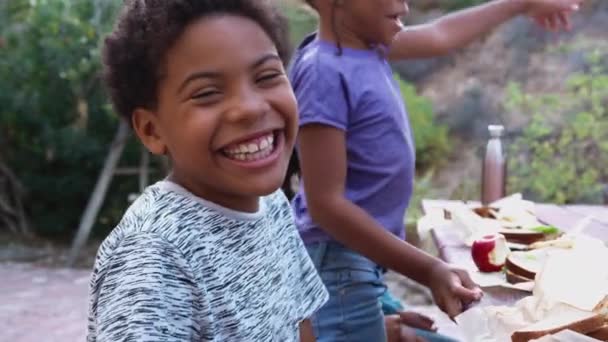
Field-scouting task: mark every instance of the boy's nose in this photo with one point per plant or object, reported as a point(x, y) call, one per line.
point(407, 7)
point(248, 106)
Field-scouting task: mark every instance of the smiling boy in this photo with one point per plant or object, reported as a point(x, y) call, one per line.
point(210, 253)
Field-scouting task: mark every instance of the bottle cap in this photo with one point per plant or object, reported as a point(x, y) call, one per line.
point(496, 130)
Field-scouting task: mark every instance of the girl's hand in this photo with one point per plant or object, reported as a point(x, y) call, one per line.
point(554, 22)
point(452, 288)
point(553, 15)
point(546, 7)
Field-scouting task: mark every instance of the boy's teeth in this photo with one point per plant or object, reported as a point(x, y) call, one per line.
point(264, 144)
point(259, 148)
point(253, 148)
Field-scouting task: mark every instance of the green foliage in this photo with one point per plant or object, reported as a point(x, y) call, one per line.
point(423, 188)
point(55, 122)
point(432, 146)
point(562, 154)
point(302, 20)
point(459, 4)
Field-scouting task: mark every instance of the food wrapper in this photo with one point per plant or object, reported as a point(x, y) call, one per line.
point(427, 223)
point(566, 336)
point(513, 212)
point(571, 280)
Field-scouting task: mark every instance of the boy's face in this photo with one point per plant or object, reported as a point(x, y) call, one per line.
point(226, 112)
point(375, 21)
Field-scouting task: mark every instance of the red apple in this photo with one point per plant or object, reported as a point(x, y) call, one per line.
point(490, 253)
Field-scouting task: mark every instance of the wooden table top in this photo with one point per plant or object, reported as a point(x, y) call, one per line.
point(454, 251)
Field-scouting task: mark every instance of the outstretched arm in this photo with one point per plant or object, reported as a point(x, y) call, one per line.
point(458, 29)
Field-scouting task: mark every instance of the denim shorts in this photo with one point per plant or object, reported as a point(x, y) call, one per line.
point(355, 284)
point(358, 298)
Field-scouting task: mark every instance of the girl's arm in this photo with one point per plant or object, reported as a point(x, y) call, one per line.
point(323, 164)
point(460, 28)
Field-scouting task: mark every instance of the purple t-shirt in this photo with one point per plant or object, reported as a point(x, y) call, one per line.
point(356, 92)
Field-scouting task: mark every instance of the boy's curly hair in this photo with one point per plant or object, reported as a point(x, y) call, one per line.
point(134, 52)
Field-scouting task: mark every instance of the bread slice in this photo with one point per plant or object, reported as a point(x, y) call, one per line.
point(600, 334)
point(526, 264)
point(602, 307)
point(523, 236)
point(579, 321)
point(513, 278)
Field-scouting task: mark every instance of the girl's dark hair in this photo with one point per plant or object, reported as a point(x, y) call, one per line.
point(134, 52)
point(293, 169)
point(310, 3)
point(335, 4)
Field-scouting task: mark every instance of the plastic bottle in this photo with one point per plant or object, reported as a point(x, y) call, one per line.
point(494, 170)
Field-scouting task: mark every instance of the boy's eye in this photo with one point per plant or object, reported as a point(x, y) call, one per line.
point(268, 77)
point(207, 95)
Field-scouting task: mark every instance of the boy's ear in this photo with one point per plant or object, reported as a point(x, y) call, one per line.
point(146, 126)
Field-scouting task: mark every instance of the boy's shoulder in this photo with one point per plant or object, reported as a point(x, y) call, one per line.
point(170, 212)
point(156, 210)
point(151, 217)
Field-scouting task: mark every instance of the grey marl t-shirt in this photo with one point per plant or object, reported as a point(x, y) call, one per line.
point(179, 268)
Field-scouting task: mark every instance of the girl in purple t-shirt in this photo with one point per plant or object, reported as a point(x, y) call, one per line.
point(357, 153)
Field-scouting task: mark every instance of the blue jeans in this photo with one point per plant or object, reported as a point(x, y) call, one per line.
point(355, 284)
point(357, 297)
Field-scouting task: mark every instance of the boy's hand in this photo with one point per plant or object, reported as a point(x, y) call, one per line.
point(416, 320)
point(553, 15)
point(452, 288)
point(397, 332)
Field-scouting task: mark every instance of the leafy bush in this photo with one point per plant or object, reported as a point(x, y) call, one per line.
point(562, 154)
point(432, 148)
point(55, 122)
point(459, 4)
point(302, 20)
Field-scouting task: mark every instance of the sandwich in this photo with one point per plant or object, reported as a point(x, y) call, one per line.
point(583, 322)
point(522, 266)
point(591, 323)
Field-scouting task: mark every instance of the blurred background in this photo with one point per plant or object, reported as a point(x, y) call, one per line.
point(549, 90)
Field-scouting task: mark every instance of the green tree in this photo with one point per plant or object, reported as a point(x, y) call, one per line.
point(562, 154)
point(55, 122)
point(302, 20)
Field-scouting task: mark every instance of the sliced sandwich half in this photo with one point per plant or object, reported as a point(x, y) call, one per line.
point(583, 322)
point(523, 266)
point(600, 334)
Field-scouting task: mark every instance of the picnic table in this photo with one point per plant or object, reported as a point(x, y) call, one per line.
point(451, 249)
